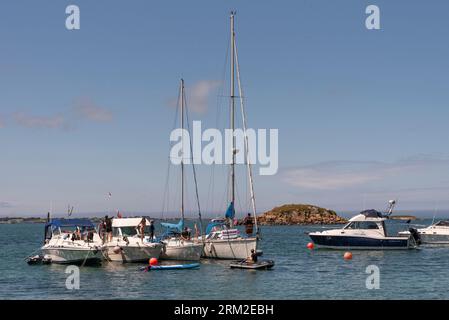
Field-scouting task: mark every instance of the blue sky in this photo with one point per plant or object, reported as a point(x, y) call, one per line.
point(362, 114)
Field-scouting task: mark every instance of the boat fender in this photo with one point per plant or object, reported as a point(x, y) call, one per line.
point(117, 249)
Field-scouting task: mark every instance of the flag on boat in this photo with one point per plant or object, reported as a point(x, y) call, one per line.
point(119, 215)
point(230, 212)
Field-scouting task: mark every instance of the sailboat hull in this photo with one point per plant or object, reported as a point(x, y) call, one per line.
point(229, 248)
point(182, 250)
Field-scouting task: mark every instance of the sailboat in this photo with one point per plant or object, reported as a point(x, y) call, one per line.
point(222, 239)
point(177, 244)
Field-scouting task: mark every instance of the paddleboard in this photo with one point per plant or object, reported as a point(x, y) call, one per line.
point(171, 267)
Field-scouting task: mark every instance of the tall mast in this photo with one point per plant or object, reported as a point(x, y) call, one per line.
point(232, 110)
point(182, 152)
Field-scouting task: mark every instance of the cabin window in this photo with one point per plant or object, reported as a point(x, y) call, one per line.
point(362, 225)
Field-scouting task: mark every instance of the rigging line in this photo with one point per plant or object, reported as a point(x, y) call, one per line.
point(166, 194)
point(193, 169)
point(242, 107)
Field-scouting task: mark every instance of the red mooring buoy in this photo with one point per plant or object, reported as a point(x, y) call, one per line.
point(347, 255)
point(310, 245)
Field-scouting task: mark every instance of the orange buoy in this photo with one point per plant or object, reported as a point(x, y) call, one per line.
point(347, 255)
point(310, 245)
point(153, 262)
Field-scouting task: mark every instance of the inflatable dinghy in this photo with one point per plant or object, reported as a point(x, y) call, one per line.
point(243, 264)
point(37, 259)
point(171, 267)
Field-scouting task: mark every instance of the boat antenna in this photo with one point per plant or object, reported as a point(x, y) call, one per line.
point(391, 205)
point(435, 211)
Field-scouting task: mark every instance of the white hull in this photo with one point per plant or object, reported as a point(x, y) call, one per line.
point(432, 235)
point(134, 253)
point(229, 249)
point(434, 238)
point(182, 250)
point(66, 255)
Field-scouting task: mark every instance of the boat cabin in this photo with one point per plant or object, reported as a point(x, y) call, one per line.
point(127, 227)
point(367, 220)
point(70, 229)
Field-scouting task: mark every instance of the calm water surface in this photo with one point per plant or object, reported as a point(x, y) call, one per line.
point(298, 274)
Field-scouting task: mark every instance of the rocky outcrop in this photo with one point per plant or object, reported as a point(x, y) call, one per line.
point(298, 214)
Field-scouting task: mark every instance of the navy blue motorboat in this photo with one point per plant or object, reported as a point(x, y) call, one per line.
point(364, 231)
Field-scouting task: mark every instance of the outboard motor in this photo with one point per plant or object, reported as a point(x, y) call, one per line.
point(415, 235)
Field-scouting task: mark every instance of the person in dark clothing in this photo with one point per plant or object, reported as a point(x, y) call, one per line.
point(108, 228)
point(249, 224)
point(185, 234)
point(253, 257)
point(151, 230)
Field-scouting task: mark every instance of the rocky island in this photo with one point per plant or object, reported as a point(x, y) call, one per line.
point(299, 214)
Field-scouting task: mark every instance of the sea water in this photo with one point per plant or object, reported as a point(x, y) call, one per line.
point(299, 273)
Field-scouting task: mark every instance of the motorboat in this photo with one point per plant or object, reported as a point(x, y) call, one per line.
point(128, 245)
point(366, 230)
point(436, 233)
point(72, 241)
point(223, 242)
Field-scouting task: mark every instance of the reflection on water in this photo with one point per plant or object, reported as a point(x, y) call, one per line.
point(299, 273)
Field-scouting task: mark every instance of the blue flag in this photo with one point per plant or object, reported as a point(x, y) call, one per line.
point(230, 212)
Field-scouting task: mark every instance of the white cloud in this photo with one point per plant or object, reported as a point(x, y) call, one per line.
point(5, 204)
point(88, 110)
point(198, 95)
point(335, 175)
point(32, 121)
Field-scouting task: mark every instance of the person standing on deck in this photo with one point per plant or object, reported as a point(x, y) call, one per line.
point(141, 227)
point(108, 228)
point(151, 230)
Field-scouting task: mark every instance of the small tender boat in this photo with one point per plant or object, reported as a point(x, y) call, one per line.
point(366, 230)
point(37, 259)
point(437, 233)
point(70, 241)
point(171, 267)
point(244, 264)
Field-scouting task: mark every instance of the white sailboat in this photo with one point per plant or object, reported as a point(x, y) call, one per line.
point(176, 246)
point(222, 239)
